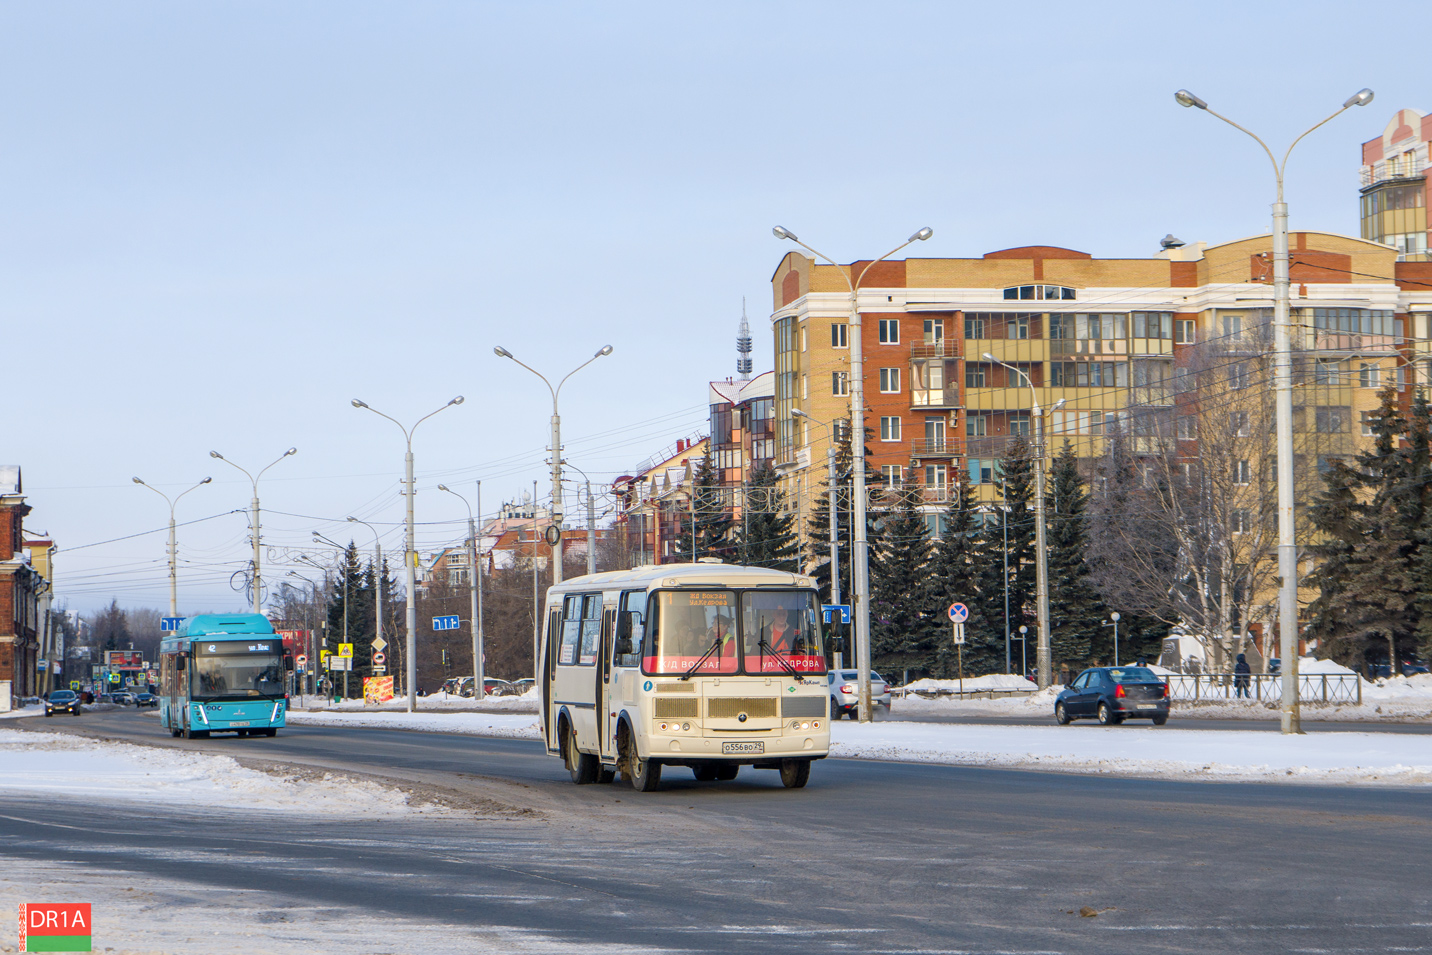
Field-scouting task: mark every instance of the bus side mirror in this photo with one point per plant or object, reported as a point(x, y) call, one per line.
point(181, 660)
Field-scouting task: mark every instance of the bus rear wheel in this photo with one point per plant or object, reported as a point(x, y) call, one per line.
point(795, 773)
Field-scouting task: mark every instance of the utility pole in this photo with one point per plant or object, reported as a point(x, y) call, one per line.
point(536, 599)
point(591, 531)
point(173, 543)
point(473, 590)
point(257, 535)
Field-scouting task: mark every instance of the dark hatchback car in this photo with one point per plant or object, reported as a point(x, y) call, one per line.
point(63, 701)
point(1112, 695)
point(145, 699)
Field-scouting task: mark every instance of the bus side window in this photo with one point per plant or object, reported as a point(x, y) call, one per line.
point(626, 650)
point(571, 631)
point(591, 630)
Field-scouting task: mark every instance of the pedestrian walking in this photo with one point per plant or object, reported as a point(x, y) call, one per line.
point(1241, 670)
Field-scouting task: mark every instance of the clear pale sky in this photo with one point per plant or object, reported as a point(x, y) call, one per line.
point(223, 220)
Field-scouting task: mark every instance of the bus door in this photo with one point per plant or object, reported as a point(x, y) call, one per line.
point(576, 677)
point(604, 687)
point(622, 654)
point(547, 677)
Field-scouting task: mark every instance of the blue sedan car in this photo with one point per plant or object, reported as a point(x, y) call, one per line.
point(1112, 695)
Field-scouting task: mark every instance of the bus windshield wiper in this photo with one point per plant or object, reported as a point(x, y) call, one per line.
point(780, 658)
point(704, 657)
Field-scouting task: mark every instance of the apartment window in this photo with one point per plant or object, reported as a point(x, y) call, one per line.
point(1332, 419)
point(1047, 293)
point(981, 470)
point(1183, 331)
point(1089, 374)
point(839, 335)
point(1242, 472)
point(975, 326)
point(1019, 424)
point(893, 475)
point(935, 433)
point(803, 338)
point(934, 330)
point(974, 376)
point(976, 426)
point(1369, 375)
point(935, 480)
point(1238, 421)
point(1152, 324)
point(1330, 372)
point(1187, 428)
point(840, 383)
point(890, 381)
point(890, 428)
point(1238, 375)
point(1241, 520)
point(1369, 418)
point(890, 331)
point(805, 387)
point(1233, 327)
point(1354, 321)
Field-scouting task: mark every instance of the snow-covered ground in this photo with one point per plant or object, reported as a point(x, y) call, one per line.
point(518, 725)
point(441, 702)
point(59, 764)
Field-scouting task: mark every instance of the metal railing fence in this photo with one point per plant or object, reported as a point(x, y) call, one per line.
point(1322, 688)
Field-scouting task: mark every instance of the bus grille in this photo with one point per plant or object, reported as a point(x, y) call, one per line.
point(676, 688)
point(803, 706)
point(729, 707)
point(669, 709)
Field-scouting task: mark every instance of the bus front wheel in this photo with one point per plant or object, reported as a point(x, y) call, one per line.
point(645, 774)
point(795, 773)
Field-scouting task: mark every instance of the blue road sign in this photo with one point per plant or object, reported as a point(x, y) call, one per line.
point(445, 623)
point(959, 613)
point(827, 610)
point(170, 624)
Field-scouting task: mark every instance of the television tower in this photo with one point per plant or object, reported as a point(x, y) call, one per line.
point(743, 345)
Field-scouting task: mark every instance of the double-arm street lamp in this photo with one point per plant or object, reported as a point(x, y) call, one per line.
point(1283, 410)
point(254, 505)
point(173, 544)
point(1043, 658)
point(860, 545)
point(378, 579)
point(474, 591)
point(410, 552)
point(501, 352)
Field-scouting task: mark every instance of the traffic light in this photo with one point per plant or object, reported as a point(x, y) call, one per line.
point(445, 658)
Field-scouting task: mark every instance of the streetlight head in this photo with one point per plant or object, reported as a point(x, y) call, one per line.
point(1057, 405)
point(1114, 616)
point(501, 352)
point(923, 234)
point(441, 487)
point(215, 454)
point(988, 357)
point(359, 404)
point(1361, 98)
point(290, 451)
point(606, 350)
point(796, 412)
point(353, 518)
point(206, 480)
point(457, 401)
point(781, 232)
point(136, 480)
point(1185, 98)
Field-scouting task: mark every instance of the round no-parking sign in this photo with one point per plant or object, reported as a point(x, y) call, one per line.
point(959, 613)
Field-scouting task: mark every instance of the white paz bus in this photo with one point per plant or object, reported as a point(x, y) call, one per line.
point(707, 666)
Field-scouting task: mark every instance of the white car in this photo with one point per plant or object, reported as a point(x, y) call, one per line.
point(845, 692)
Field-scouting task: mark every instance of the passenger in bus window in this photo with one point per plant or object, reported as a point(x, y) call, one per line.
point(720, 632)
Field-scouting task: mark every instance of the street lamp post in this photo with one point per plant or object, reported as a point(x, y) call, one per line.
point(474, 589)
point(1113, 621)
point(410, 552)
point(1283, 411)
point(591, 521)
point(173, 543)
point(501, 352)
point(860, 555)
point(1043, 659)
point(378, 578)
point(309, 649)
point(830, 482)
point(254, 504)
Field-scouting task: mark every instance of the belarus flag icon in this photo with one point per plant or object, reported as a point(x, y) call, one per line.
point(54, 926)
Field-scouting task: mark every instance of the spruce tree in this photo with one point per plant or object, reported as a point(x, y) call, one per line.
point(1017, 469)
point(899, 635)
point(349, 576)
point(954, 577)
point(1076, 611)
point(765, 535)
point(712, 517)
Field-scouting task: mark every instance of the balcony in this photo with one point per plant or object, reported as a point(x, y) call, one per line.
point(935, 397)
point(935, 448)
point(1390, 170)
point(945, 348)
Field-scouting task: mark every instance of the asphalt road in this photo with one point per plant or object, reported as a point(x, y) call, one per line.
point(1270, 725)
point(871, 857)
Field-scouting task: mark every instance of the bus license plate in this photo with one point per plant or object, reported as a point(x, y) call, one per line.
point(743, 749)
point(239, 723)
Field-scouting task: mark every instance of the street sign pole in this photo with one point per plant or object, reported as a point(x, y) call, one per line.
point(959, 613)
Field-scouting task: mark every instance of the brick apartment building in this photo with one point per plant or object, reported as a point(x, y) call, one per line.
point(21, 587)
point(1395, 188)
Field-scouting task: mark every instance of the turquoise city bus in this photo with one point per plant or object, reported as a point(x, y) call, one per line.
point(224, 673)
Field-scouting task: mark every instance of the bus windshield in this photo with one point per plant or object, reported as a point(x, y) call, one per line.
point(237, 669)
point(702, 633)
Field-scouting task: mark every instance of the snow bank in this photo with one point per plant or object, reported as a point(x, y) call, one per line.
point(1313, 665)
point(501, 725)
point(1141, 750)
point(993, 681)
point(56, 764)
point(442, 702)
